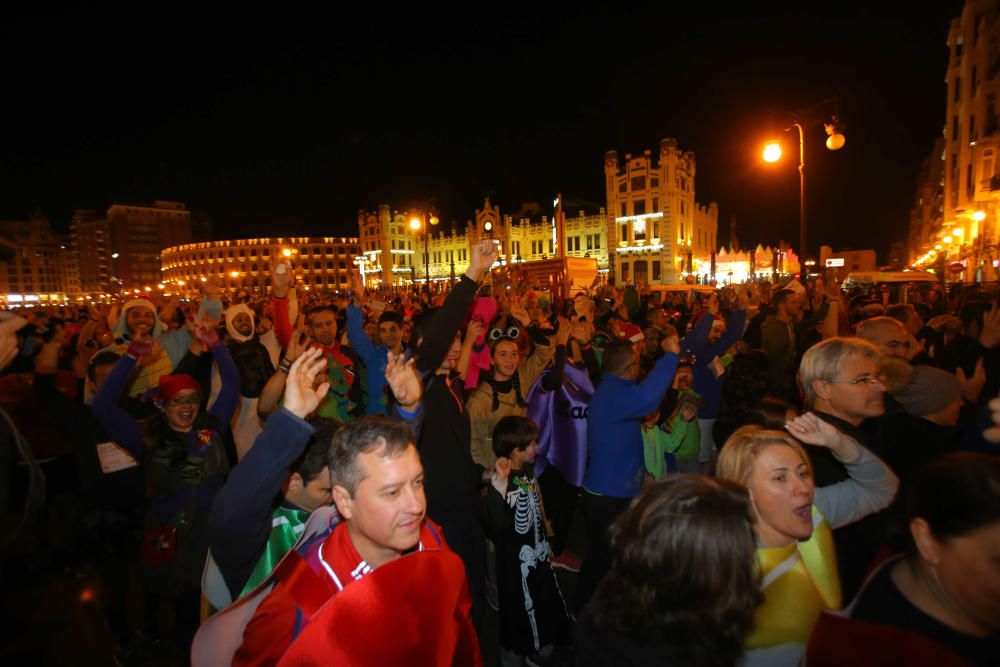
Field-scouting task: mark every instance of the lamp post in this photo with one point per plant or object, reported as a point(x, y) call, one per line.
point(772, 153)
point(416, 224)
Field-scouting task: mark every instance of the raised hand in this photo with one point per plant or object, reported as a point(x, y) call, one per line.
point(473, 331)
point(564, 331)
point(297, 344)
point(812, 430)
point(972, 387)
point(992, 434)
point(206, 334)
point(671, 344)
point(281, 277)
point(301, 399)
point(990, 335)
point(518, 312)
point(481, 258)
point(403, 381)
point(500, 473)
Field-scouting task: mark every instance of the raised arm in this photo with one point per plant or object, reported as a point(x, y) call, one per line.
point(444, 325)
point(871, 486)
point(116, 422)
point(240, 521)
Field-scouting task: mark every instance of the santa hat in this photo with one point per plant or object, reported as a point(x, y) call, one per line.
point(171, 385)
point(631, 332)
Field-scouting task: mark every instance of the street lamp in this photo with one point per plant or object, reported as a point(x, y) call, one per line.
point(416, 223)
point(772, 153)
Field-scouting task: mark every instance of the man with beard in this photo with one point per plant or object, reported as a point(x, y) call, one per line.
point(345, 398)
point(254, 363)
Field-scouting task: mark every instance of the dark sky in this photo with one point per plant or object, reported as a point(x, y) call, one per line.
point(288, 123)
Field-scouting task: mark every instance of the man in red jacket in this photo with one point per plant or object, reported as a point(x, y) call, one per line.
point(378, 489)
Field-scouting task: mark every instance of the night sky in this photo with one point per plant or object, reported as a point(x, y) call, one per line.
point(288, 123)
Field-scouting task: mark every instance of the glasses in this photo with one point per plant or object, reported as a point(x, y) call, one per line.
point(193, 399)
point(877, 378)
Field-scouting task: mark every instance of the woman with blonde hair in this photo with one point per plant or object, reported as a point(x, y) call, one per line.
point(795, 549)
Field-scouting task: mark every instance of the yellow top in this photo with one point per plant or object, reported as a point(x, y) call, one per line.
point(799, 582)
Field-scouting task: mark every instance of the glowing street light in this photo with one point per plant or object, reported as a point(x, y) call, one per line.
point(979, 216)
point(286, 252)
point(234, 274)
point(958, 231)
point(772, 151)
point(947, 239)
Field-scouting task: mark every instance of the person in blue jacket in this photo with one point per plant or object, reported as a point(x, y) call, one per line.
point(708, 342)
point(390, 332)
point(615, 454)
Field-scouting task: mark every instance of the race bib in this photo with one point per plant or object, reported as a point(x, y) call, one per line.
point(114, 457)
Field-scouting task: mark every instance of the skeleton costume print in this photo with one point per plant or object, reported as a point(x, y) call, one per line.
point(532, 611)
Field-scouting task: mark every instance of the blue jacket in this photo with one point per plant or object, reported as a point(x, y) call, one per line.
point(374, 357)
point(705, 383)
point(615, 463)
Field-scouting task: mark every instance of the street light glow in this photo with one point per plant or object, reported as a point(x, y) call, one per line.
point(414, 224)
point(114, 255)
point(947, 239)
point(286, 252)
point(958, 231)
point(234, 274)
point(772, 151)
point(979, 216)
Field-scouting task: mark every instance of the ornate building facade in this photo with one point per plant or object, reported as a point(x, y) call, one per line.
point(658, 228)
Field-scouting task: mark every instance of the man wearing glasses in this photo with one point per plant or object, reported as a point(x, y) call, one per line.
point(843, 386)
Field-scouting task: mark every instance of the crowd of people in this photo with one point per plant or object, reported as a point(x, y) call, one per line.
point(762, 473)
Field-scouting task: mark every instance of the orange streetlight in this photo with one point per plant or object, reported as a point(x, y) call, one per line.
point(772, 151)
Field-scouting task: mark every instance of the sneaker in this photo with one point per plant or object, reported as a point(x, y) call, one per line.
point(566, 561)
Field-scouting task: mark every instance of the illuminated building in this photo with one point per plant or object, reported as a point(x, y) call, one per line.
point(658, 228)
point(138, 233)
point(968, 216)
point(386, 233)
point(43, 269)
point(325, 263)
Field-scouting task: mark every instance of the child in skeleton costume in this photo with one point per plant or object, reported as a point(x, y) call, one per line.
point(502, 391)
point(533, 616)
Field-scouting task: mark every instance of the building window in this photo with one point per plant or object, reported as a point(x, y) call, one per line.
point(683, 207)
point(957, 87)
point(597, 241)
point(624, 209)
point(624, 236)
point(590, 242)
point(654, 182)
point(954, 128)
point(639, 207)
point(623, 186)
point(656, 205)
point(656, 269)
point(638, 183)
point(682, 232)
point(342, 265)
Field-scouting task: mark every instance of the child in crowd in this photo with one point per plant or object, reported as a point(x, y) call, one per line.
point(533, 615)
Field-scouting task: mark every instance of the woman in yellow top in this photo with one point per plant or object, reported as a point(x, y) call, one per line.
point(794, 521)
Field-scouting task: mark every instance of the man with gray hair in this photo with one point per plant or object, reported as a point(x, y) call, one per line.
point(889, 336)
point(843, 386)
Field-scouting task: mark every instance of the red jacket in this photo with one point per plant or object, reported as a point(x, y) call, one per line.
point(382, 617)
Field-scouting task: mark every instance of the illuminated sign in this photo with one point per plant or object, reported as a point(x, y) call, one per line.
point(834, 262)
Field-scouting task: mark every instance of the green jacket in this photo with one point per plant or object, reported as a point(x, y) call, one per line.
point(782, 351)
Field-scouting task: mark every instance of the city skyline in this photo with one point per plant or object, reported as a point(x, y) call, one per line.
point(296, 133)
